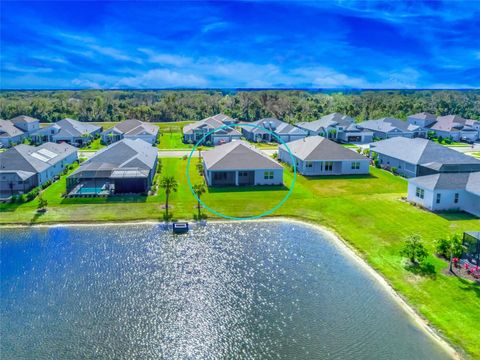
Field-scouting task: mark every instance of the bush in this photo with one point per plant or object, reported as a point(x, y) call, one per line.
point(394, 170)
point(414, 250)
point(447, 245)
point(185, 157)
point(275, 155)
point(377, 163)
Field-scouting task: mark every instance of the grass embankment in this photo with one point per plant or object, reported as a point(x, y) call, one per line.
point(366, 211)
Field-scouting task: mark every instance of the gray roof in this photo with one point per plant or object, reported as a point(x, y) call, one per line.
point(8, 129)
point(386, 125)
point(210, 124)
point(453, 123)
point(26, 158)
point(423, 116)
point(288, 129)
point(317, 148)
point(421, 152)
point(133, 155)
point(134, 127)
point(326, 121)
point(70, 127)
point(267, 123)
point(223, 118)
point(450, 181)
point(238, 155)
point(24, 119)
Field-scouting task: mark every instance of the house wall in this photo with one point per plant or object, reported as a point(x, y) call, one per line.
point(365, 137)
point(28, 126)
point(403, 168)
point(289, 138)
point(455, 135)
point(151, 139)
point(218, 139)
point(420, 122)
point(277, 177)
point(18, 185)
point(7, 141)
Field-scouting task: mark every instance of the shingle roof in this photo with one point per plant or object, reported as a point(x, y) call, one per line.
point(317, 148)
point(24, 119)
point(420, 151)
point(223, 118)
point(70, 127)
point(134, 127)
point(238, 155)
point(324, 122)
point(7, 129)
point(34, 159)
point(452, 123)
point(386, 125)
point(450, 181)
point(210, 123)
point(126, 153)
point(424, 116)
point(288, 129)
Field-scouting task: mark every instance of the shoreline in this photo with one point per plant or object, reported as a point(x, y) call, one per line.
point(335, 238)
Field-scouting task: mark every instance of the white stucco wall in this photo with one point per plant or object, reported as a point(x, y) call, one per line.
point(277, 177)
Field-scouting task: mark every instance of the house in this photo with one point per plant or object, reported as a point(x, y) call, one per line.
point(10, 134)
point(316, 155)
point(418, 157)
point(264, 128)
point(193, 133)
point(390, 127)
point(25, 167)
point(423, 119)
point(447, 191)
point(339, 127)
point(456, 128)
point(131, 129)
point(239, 163)
point(225, 119)
point(67, 130)
point(26, 123)
point(124, 167)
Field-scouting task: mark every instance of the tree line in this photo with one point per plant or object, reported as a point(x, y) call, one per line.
point(183, 105)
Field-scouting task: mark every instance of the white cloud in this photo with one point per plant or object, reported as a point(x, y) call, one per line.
point(162, 78)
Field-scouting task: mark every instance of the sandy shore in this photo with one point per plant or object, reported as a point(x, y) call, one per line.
point(336, 239)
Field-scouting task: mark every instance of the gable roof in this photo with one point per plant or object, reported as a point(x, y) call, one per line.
point(288, 129)
point(450, 181)
point(386, 125)
point(24, 119)
point(70, 127)
point(326, 121)
point(421, 152)
point(223, 118)
point(238, 155)
point(268, 123)
point(126, 154)
point(453, 123)
point(134, 127)
point(210, 124)
point(423, 116)
point(317, 148)
point(34, 159)
point(7, 129)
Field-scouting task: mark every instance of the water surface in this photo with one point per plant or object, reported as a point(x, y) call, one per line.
point(227, 291)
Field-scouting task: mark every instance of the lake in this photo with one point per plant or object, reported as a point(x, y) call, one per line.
point(248, 290)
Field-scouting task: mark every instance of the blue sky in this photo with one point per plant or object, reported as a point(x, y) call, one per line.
point(48, 45)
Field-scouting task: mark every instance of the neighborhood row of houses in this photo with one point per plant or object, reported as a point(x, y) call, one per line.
point(73, 132)
point(220, 129)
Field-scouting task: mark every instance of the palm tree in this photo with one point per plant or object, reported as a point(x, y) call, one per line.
point(199, 190)
point(170, 185)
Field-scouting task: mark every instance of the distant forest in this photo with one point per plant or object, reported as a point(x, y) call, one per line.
point(180, 105)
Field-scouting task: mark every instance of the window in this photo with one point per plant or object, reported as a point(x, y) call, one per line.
point(242, 173)
point(268, 175)
point(439, 196)
point(456, 198)
point(328, 165)
point(355, 165)
point(219, 176)
point(420, 193)
point(308, 164)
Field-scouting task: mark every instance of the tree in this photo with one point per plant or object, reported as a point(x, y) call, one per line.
point(199, 190)
point(414, 249)
point(42, 203)
point(169, 184)
point(450, 247)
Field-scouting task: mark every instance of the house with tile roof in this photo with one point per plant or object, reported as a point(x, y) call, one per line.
point(316, 155)
point(261, 131)
point(224, 133)
point(390, 127)
point(124, 167)
point(447, 191)
point(338, 127)
point(239, 163)
point(25, 167)
point(73, 132)
point(418, 157)
point(131, 129)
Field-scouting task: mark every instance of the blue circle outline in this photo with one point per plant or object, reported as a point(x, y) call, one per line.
point(282, 142)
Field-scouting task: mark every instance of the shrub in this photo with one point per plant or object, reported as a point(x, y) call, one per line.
point(275, 155)
point(450, 246)
point(394, 170)
point(185, 157)
point(414, 250)
point(377, 163)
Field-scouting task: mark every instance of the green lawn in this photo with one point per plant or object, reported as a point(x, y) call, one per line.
point(366, 211)
point(95, 145)
point(475, 154)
